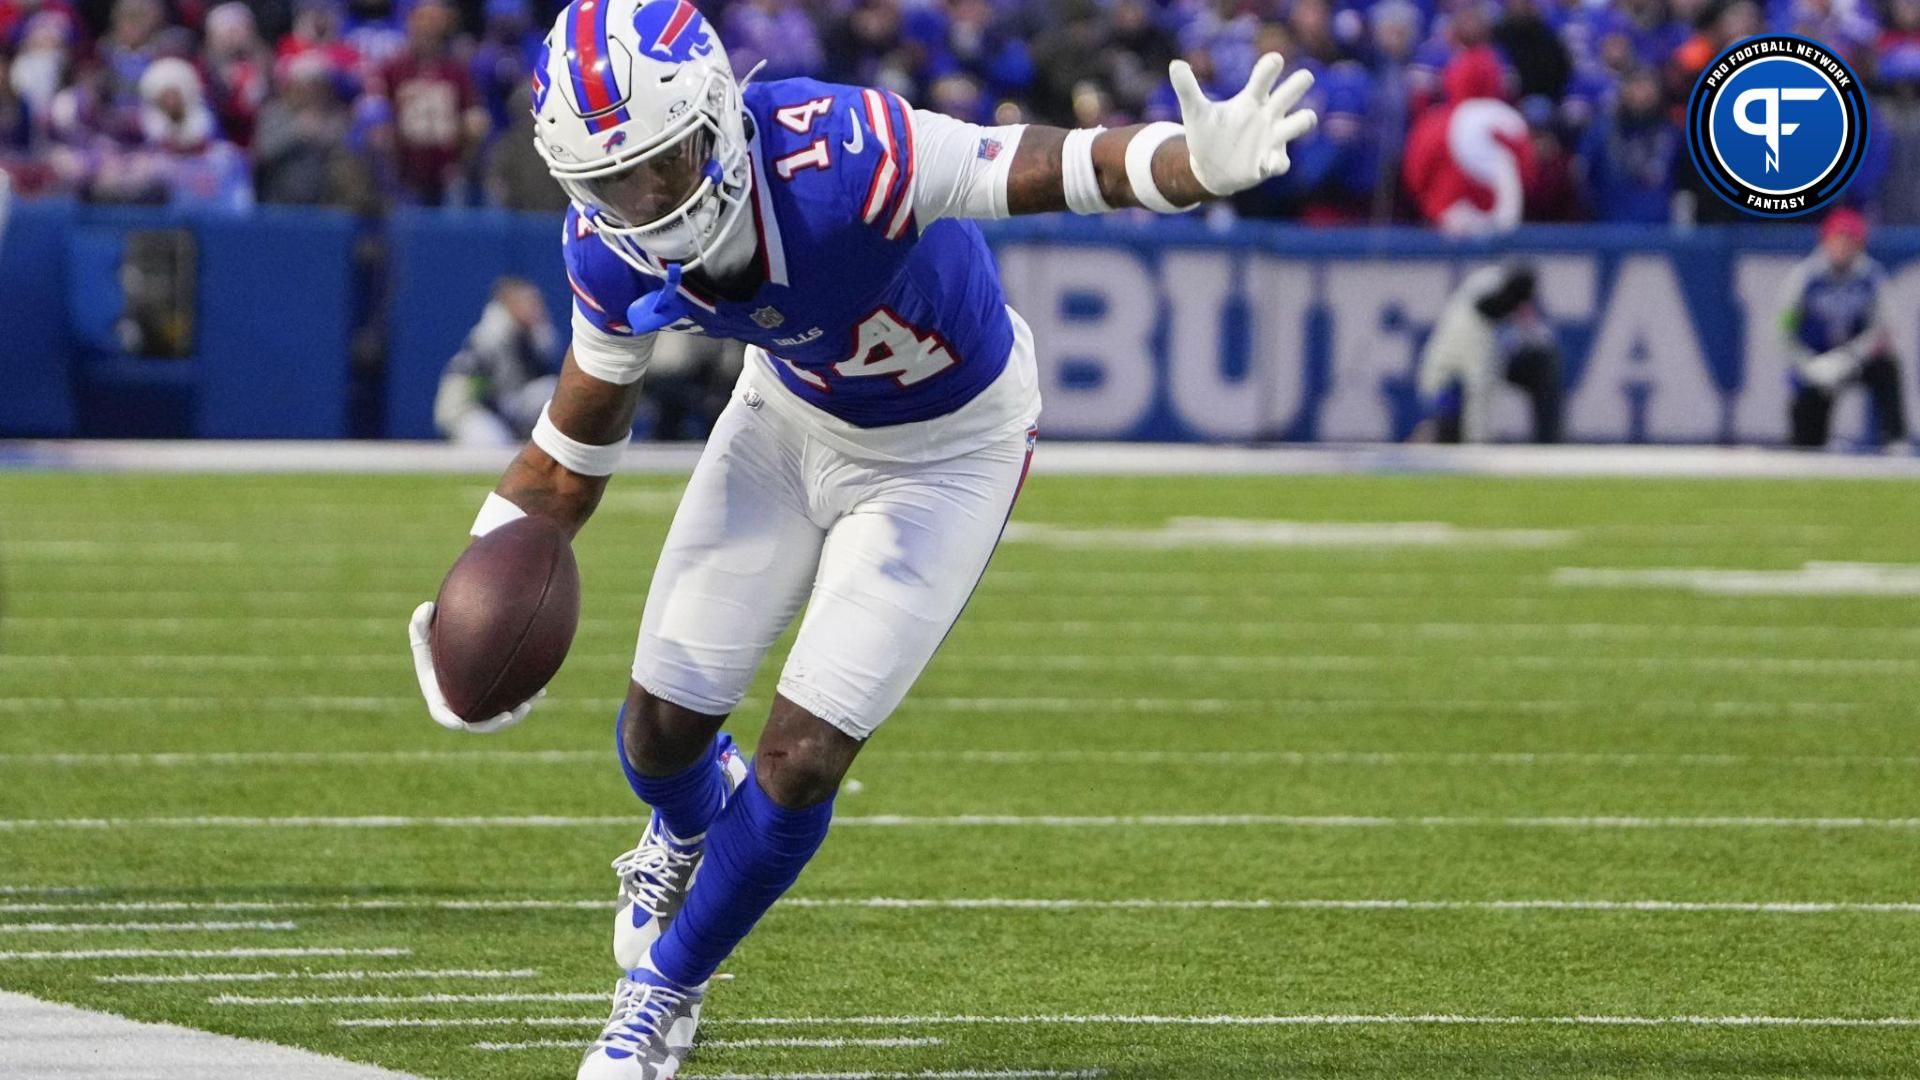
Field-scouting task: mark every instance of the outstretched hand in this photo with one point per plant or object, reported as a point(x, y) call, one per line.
point(1237, 143)
point(419, 631)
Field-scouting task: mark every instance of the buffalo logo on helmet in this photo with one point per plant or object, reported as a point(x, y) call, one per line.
point(541, 84)
point(672, 30)
point(617, 139)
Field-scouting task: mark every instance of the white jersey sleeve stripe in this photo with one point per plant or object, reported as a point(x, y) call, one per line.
point(904, 212)
point(884, 174)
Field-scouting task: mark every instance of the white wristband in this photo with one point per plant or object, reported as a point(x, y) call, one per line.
point(1077, 174)
point(574, 455)
point(495, 512)
point(1140, 167)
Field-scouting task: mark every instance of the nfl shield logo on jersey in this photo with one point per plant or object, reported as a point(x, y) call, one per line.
point(768, 318)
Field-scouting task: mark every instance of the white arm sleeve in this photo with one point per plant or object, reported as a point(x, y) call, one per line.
point(960, 168)
point(609, 357)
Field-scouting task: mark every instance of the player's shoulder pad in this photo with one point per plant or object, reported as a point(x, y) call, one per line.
point(603, 286)
point(850, 144)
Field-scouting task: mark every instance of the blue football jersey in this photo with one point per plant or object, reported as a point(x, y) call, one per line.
point(864, 312)
point(1835, 307)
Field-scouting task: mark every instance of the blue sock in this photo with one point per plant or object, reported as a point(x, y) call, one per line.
point(686, 801)
point(754, 852)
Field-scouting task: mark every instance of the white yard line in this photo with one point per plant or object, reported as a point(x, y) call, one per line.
point(400, 999)
point(196, 759)
point(1098, 1019)
point(9, 907)
point(1631, 906)
point(469, 1021)
point(190, 978)
point(142, 927)
point(1323, 1020)
point(1044, 821)
point(896, 903)
point(1361, 758)
point(729, 1044)
point(196, 954)
point(924, 1074)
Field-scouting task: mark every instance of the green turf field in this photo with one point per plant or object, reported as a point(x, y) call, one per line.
point(1282, 791)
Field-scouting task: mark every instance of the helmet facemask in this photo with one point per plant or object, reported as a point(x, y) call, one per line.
point(677, 198)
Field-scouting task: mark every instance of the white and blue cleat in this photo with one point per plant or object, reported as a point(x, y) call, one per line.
point(656, 876)
point(649, 1033)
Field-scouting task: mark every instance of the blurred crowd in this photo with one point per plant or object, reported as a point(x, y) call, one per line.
point(1469, 114)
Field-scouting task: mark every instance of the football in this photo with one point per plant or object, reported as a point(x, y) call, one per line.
point(505, 617)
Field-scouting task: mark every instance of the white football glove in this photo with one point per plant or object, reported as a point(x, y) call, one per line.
point(437, 706)
point(1829, 370)
point(1236, 143)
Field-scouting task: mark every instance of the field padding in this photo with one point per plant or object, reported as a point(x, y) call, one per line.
point(61, 1042)
point(1083, 458)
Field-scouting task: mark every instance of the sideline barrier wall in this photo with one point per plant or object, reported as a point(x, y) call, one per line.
point(1147, 328)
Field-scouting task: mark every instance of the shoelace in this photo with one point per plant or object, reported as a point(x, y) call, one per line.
point(649, 871)
point(638, 1009)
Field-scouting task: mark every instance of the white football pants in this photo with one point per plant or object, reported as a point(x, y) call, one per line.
point(883, 554)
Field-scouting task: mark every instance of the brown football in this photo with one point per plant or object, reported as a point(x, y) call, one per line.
point(505, 617)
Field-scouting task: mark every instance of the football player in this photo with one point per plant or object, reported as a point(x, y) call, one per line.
point(867, 461)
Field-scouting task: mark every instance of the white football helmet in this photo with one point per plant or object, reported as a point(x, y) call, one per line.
point(638, 116)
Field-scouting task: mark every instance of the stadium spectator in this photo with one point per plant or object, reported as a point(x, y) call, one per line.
point(133, 41)
point(1629, 157)
point(1549, 191)
point(1539, 58)
point(70, 97)
point(1490, 331)
point(1469, 161)
point(503, 60)
point(300, 144)
point(1896, 115)
point(493, 389)
point(239, 69)
point(436, 119)
point(317, 25)
point(516, 178)
point(1833, 319)
point(39, 67)
point(179, 159)
point(864, 46)
point(776, 32)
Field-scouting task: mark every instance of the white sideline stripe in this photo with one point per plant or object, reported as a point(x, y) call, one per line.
point(141, 927)
point(50, 1041)
point(1049, 821)
point(1376, 758)
point(1073, 662)
point(401, 999)
point(195, 954)
point(991, 903)
point(1062, 458)
point(728, 1044)
point(1051, 704)
point(319, 976)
